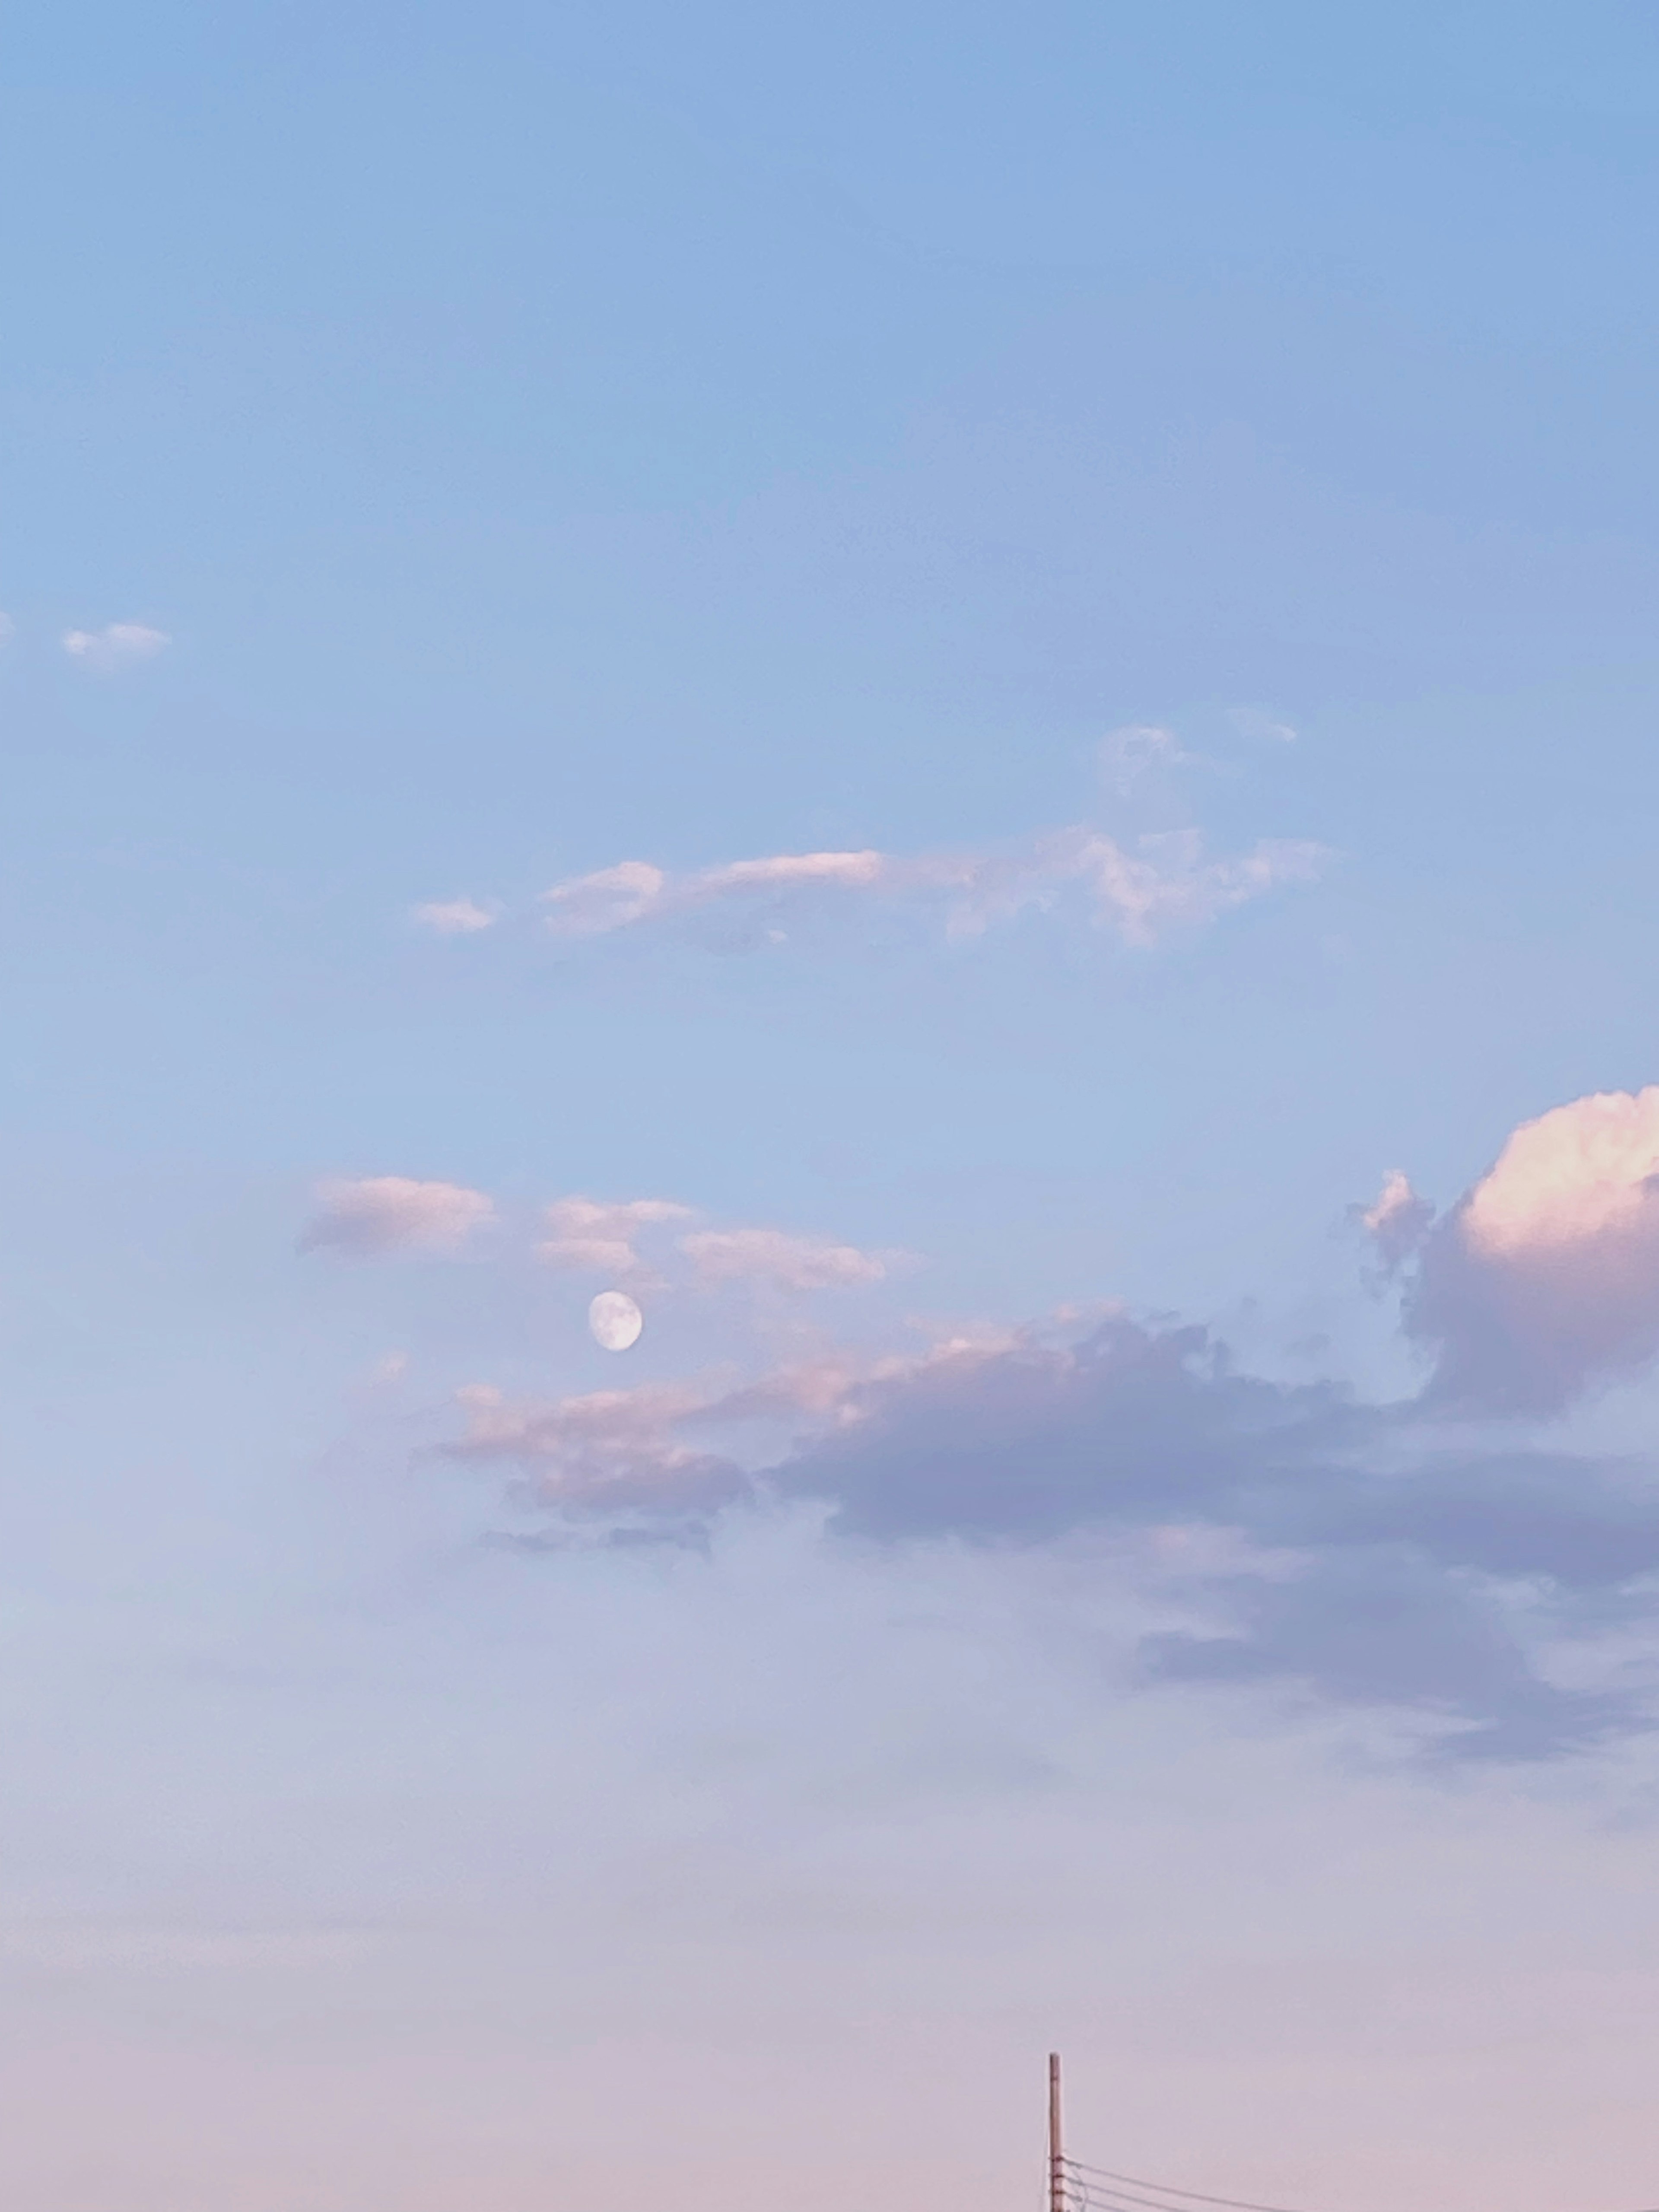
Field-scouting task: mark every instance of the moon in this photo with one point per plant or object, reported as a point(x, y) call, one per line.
point(615, 1320)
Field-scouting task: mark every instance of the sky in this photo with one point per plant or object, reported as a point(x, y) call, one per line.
point(966, 699)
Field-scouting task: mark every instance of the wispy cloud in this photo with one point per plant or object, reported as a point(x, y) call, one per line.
point(1138, 753)
point(1259, 722)
point(1397, 1220)
point(118, 645)
point(459, 917)
point(771, 1255)
point(1142, 891)
point(390, 1214)
point(597, 1236)
point(1140, 885)
point(602, 1236)
point(613, 1452)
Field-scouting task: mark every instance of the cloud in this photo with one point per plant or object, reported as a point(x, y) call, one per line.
point(1544, 1279)
point(609, 1452)
point(390, 1214)
point(118, 645)
point(1379, 1561)
point(610, 898)
point(1254, 723)
point(1361, 1555)
point(1139, 749)
point(1160, 883)
point(791, 871)
point(597, 1236)
point(770, 1255)
point(1397, 1220)
point(645, 1451)
point(460, 917)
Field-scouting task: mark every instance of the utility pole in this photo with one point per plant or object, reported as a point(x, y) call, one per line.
point(1056, 2155)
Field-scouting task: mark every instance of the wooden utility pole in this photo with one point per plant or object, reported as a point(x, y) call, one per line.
point(1056, 2154)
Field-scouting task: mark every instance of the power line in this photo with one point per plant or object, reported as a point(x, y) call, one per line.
point(1161, 2189)
point(1074, 2186)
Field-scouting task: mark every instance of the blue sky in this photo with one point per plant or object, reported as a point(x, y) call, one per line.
point(1093, 568)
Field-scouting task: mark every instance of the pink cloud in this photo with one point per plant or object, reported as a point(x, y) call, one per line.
point(1545, 1278)
point(389, 1214)
point(792, 1263)
point(597, 1236)
point(1160, 883)
point(1397, 1220)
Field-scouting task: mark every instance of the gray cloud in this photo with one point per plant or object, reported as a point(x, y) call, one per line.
point(1387, 1562)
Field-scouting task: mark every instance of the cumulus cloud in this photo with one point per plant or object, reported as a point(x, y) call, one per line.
point(1544, 1279)
point(771, 1255)
point(597, 1236)
point(1141, 891)
point(390, 1214)
point(118, 645)
point(460, 917)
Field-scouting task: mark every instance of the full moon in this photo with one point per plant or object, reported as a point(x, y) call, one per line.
point(615, 1320)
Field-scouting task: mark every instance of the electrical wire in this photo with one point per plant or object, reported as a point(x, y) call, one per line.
point(1161, 2189)
point(1086, 2182)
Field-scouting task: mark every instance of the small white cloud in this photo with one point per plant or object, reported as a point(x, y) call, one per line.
point(1128, 755)
point(461, 917)
point(391, 1368)
point(390, 1214)
point(790, 1263)
point(610, 898)
point(1259, 722)
point(118, 645)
